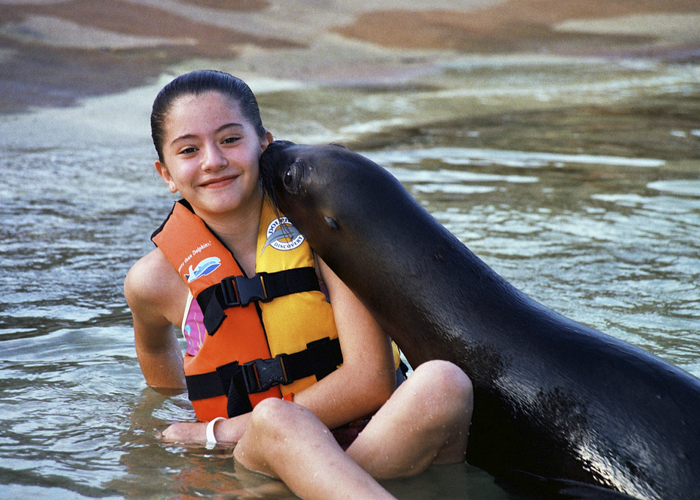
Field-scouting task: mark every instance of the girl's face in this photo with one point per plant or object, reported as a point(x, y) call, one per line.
point(211, 153)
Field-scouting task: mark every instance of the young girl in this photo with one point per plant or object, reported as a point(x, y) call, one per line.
point(246, 287)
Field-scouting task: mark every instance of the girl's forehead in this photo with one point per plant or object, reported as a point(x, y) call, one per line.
point(210, 108)
point(204, 103)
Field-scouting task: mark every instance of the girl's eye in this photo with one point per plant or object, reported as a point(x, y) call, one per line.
point(187, 151)
point(230, 140)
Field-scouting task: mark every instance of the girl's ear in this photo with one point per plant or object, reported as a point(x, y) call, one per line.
point(266, 140)
point(165, 175)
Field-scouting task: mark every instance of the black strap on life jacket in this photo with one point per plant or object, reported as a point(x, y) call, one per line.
point(239, 291)
point(236, 381)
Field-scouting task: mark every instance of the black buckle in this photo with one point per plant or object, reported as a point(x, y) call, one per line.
point(240, 291)
point(261, 374)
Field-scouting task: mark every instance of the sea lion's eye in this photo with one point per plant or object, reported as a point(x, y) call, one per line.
point(289, 177)
point(292, 176)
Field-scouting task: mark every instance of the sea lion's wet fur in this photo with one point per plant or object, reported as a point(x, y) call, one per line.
point(553, 398)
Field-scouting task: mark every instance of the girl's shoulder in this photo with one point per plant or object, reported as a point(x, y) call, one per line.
point(149, 271)
point(153, 283)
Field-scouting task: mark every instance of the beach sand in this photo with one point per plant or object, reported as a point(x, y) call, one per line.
point(55, 52)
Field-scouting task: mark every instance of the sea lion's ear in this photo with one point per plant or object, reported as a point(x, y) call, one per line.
point(331, 222)
point(336, 144)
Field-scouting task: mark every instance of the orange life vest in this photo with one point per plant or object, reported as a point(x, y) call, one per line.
point(267, 335)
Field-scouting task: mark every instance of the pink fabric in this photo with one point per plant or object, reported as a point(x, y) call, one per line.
point(193, 328)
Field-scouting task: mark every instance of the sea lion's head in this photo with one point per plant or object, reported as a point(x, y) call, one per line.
point(348, 207)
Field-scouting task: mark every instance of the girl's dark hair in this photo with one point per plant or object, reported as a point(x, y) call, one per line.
point(197, 83)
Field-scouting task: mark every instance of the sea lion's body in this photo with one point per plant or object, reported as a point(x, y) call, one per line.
point(553, 398)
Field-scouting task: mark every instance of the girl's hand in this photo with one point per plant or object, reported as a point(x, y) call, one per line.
point(226, 431)
point(186, 432)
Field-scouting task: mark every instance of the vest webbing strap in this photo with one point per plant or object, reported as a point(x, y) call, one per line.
point(236, 291)
point(319, 358)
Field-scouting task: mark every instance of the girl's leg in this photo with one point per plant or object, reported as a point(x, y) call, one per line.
point(425, 421)
point(288, 441)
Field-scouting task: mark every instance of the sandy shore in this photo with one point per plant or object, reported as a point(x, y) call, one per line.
point(54, 52)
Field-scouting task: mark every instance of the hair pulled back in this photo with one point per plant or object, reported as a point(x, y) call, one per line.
point(197, 83)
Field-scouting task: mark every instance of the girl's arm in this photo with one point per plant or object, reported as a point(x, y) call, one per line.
point(367, 377)
point(155, 299)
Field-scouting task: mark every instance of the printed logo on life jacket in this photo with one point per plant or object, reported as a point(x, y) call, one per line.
point(207, 266)
point(281, 235)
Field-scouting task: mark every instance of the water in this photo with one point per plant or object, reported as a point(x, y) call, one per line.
point(577, 180)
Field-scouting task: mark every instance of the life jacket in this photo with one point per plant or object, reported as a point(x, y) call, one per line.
point(268, 335)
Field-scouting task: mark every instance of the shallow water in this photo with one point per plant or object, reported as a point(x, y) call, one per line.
point(577, 180)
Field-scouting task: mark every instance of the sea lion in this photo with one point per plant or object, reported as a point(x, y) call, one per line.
point(553, 398)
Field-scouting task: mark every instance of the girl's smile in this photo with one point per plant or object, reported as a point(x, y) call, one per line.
point(220, 182)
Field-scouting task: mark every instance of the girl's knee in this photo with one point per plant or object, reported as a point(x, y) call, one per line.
point(451, 404)
point(445, 389)
point(272, 423)
point(271, 414)
point(278, 419)
point(444, 378)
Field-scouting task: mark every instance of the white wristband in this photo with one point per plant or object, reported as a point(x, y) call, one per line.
point(211, 438)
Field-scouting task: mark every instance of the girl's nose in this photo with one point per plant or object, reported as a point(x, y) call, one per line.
point(214, 159)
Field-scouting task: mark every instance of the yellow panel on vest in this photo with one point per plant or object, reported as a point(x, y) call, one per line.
point(292, 321)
